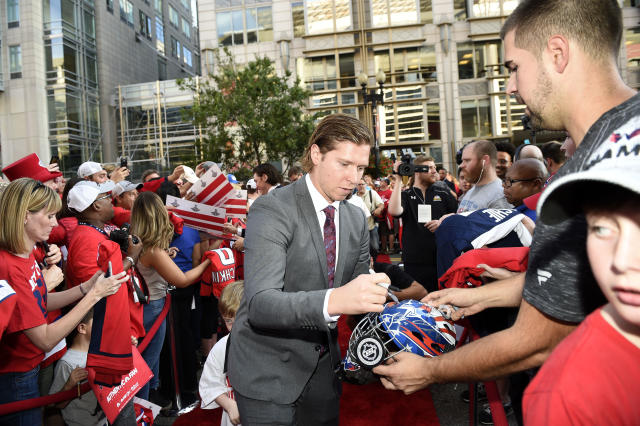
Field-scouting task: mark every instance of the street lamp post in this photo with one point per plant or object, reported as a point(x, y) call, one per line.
point(370, 96)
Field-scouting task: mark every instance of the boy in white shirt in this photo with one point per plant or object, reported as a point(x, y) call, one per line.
point(215, 388)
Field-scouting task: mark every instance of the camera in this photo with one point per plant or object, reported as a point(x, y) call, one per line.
point(407, 168)
point(121, 236)
point(124, 162)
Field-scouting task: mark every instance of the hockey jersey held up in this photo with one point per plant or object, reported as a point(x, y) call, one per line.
point(464, 272)
point(110, 347)
point(472, 230)
point(220, 273)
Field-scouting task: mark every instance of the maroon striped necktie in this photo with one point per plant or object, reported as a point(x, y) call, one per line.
point(329, 232)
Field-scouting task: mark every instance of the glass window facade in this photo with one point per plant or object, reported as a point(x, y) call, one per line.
point(186, 56)
point(174, 18)
point(325, 16)
point(297, 16)
point(159, 35)
point(13, 13)
point(72, 80)
point(460, 10)
point(15, 61)
point(475, 118)
point(157, 5)
point(186, 27)
point(251, 25)
point(175, 48)
point(400, 12)
point(486, 8)
point(475, 59)
point(126, 11)
point(146, 28)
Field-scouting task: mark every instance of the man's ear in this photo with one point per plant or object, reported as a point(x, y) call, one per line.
point(316, 155)
point(558, 50)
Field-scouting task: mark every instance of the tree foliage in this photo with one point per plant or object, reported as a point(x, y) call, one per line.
point(249, 114)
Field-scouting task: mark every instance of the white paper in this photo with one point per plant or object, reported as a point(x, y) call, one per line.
point(424, 213)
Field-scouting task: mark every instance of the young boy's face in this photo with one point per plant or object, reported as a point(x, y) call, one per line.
point(613, 247)
point(228, 322)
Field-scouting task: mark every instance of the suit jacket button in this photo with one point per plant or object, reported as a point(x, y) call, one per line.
point(284, 356)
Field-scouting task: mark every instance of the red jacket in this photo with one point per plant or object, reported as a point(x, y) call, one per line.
point(464, 272)
point(110, 347)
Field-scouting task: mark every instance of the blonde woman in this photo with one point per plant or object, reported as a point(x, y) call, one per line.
point(28, 211)
point(150, 222)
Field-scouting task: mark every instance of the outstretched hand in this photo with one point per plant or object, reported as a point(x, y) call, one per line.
point(467, 300)
point(405, 372)
point(107, 286)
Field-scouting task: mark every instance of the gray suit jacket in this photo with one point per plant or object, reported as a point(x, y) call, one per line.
point(280, 324)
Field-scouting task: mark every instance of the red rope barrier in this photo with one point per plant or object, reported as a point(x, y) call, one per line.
point(27, 404)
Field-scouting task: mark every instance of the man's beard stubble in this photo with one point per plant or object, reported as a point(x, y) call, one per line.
point(543, 92)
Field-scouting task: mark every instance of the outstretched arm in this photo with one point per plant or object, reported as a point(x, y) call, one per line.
point(524, 345)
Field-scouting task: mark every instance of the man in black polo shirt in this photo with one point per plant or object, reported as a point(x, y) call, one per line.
point(427, 200)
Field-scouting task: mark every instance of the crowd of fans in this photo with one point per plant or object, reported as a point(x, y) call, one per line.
point(68, 223)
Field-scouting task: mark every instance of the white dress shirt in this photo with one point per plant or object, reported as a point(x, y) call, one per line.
point(319, 204)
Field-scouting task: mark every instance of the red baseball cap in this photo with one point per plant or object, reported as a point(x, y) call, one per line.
point(29, 167)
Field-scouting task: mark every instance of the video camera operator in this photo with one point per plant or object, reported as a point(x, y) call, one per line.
point(426, 201)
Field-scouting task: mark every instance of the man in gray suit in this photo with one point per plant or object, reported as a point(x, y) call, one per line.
point(306, 263)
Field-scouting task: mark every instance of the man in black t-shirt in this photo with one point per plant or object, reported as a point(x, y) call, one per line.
point(563, 66)
point(432, 197)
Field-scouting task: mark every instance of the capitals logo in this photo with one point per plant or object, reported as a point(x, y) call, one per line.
point(621, 147)
point(38, 288)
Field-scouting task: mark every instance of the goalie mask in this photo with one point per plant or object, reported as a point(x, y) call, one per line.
point(408, 326)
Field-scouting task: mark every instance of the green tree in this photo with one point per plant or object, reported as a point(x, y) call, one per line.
point(249, 114)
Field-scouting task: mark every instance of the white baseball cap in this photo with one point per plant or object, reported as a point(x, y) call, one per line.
point(88, 168)
point(251, 183)
point(189, 174)
point(616, 162)
point(125, 186)
point(84, 193)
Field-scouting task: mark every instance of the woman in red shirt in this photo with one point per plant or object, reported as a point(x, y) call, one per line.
point(28, 210)
point(150, 222)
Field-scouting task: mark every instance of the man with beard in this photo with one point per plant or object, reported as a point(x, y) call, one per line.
point(505, 158)
point(563, 66)
point(418, 242)
point(479, 164)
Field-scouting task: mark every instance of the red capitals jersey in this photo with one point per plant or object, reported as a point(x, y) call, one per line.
point(220, 273)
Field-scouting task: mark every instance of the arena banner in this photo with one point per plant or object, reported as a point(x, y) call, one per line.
point(236, 204)
point(113, 399)
point(212, 188)
point(199, 216)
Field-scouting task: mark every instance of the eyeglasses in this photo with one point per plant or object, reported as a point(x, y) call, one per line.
point(103, 197)
point(508, 181)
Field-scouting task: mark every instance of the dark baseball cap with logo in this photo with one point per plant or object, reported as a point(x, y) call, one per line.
point(615, 162)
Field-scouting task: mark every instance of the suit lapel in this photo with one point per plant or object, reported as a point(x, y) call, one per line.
point(345, 227)
point(311, 219)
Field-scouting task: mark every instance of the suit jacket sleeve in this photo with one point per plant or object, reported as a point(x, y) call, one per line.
point(270, 232)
